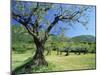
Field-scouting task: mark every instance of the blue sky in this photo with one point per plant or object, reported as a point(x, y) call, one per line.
point(77, 29)
point(81, 30)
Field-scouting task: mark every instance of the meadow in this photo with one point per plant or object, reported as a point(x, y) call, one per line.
point(57, 62)
point(23, 49)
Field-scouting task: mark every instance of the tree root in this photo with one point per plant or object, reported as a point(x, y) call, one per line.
point(27, 67)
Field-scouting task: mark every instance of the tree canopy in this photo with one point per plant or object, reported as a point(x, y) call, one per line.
point(40, 19)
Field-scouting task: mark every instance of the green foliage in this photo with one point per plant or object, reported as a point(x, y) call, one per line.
point(20, 35)
point(92, 48)
point(21, 40)
point(83, 38)
point(55, 41)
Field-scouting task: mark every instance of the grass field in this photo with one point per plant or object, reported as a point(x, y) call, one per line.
point(58, 62)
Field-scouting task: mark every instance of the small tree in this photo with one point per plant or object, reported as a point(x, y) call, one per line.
point(39, 19)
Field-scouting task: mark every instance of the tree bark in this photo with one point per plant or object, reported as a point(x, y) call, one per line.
point(38, 58)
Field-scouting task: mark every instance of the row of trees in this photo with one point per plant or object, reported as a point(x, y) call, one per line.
point(73, 48)
point(54, 43)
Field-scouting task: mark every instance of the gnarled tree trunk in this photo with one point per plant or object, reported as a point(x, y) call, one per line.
point(38, 58)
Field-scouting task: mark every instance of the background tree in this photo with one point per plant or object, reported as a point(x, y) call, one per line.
point(40, 19)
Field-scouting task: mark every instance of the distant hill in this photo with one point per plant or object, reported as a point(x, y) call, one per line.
point(84, 38)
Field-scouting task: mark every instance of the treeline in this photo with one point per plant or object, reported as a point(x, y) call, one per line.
point(71, 47)
point(22, 42)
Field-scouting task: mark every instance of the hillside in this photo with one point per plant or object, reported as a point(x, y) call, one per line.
point(84, 38)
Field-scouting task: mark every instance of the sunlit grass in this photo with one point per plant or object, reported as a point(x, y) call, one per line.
point(18, 59)
point(58, 62)
point(72, 62)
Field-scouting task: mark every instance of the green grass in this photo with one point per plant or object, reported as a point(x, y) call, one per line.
point(72, 62)
point(19, 59)
point(58, 62)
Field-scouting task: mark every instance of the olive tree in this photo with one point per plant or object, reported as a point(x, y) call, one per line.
point(40, 19)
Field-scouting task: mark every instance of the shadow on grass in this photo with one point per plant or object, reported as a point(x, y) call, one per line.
point(22, 68)
point(25, 69)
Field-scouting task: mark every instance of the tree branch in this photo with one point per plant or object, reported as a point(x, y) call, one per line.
point(25, 22)
point(50, 27)
point(73, 14)
point(15, 17)
point(33, 10)
point(53, 24)
point(61, 17)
